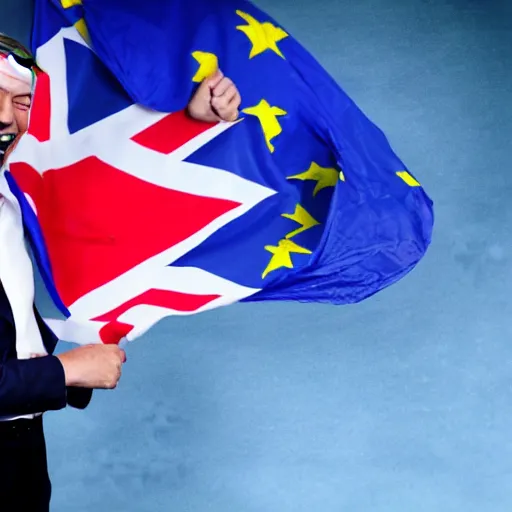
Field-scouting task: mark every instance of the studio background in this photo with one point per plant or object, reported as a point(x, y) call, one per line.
point(402, 403)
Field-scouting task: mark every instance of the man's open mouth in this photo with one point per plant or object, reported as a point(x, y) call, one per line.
point(6, 139)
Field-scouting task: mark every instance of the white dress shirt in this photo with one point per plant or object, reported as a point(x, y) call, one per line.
point(17, 276)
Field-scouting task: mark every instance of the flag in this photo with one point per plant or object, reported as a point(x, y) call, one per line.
point(136, 212)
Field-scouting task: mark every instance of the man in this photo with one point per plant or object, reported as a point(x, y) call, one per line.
point(32, 380)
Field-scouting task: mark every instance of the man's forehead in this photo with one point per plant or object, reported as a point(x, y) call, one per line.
point(13, 77)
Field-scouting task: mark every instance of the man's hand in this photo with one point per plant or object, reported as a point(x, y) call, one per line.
point(216, 99)
point(93, 366)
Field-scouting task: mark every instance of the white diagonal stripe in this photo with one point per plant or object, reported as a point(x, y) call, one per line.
point(101, 140)
point(141, 277)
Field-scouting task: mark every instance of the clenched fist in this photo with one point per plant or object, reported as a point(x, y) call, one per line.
point(93, 366)
point(216, 99)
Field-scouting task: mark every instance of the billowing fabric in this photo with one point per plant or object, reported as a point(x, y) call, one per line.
point(137, 212)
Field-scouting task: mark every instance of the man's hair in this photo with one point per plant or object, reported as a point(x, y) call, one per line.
point(8, 45)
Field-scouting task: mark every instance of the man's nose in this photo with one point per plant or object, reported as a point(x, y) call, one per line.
point(6, 112)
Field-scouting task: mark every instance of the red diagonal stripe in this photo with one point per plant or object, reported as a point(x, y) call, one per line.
point(29, 181)
point(178, 301)
point(100, 222)
point(171, 132)
point(114, 331)
point(40, 111)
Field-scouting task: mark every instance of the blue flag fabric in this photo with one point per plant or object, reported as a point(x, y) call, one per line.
point(347, 218)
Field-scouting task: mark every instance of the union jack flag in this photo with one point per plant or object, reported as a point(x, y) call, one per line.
point(95, 204)
point(135, 213)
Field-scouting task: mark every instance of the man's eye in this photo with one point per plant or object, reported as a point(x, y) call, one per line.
point(22, 104)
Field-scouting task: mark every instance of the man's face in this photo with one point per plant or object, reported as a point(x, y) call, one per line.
point(15, 96)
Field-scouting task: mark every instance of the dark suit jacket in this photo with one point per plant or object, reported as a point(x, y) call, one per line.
point(32, 385)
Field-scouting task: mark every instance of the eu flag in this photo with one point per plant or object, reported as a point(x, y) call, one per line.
point(154, 214)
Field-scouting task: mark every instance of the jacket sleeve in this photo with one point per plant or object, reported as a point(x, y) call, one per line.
point(78, 398)
point(33, 385)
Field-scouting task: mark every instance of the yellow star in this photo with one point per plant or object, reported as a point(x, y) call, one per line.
point(408, 179)
point(281, 255)
point(70, 3)
point(267, 116)
point(80, 24)
point(302, 217)
point(208, 64)
point(263, 36)
point(324, 176)
point(82, 29)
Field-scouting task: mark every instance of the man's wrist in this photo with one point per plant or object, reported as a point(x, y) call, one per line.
point(67, 367)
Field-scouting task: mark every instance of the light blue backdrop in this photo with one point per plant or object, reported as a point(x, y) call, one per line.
point(402, 403)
